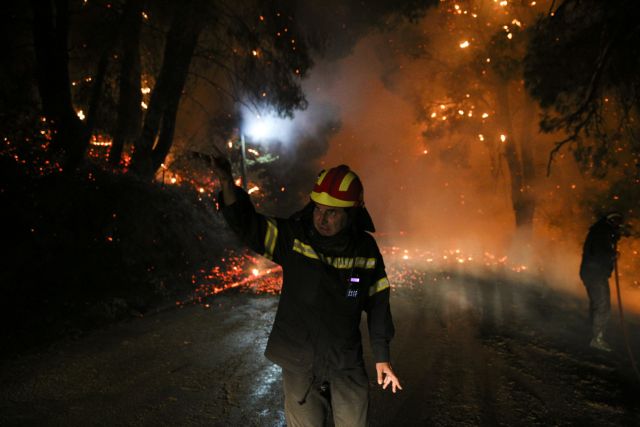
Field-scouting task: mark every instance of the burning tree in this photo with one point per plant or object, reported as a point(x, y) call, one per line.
point(252, 51)
point(476, 92)
point(51, 35)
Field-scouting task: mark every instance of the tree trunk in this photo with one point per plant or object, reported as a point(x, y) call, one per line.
point(130, 98)
point(528, 163)
point(181, 42)
point(94, 102)
point(165, 139)
point(50, 33)
point(522, 205)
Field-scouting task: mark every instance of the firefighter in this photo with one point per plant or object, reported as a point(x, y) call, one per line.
point(598, 259)
point(332, 271)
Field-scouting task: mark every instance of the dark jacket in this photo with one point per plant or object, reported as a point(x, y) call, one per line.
point(327, 283)
point(599, 250)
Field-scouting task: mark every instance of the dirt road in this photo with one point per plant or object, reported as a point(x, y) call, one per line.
point(468, 351)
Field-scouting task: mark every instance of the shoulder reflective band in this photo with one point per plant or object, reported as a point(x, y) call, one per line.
point(271, 237)
point(349, 262)
point(340, 263)
point(380, 285)
point(304, 249)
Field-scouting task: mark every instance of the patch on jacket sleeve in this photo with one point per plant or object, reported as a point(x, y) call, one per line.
point(380, 285)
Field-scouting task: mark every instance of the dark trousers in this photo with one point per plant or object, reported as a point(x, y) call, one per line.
point(346, 399)
point(599, 302)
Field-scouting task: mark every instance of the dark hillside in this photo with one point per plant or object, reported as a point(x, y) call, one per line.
point(86, 249)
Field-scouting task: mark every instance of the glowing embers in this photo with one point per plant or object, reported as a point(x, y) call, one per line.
point(101, 141)
point(405, 268)
point(242, 272)
point(33, 153)
point(448, 259)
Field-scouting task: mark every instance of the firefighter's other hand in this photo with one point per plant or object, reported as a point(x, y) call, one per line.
point(222, 168)
point(220, 165)
point(626, 230)
point(386, 376)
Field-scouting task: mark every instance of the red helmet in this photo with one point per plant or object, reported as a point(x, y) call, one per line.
point(338, 187)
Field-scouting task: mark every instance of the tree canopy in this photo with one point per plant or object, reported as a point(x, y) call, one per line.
point(583, 66)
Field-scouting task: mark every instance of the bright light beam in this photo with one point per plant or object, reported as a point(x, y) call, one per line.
point(259, 129)
point(268, 127)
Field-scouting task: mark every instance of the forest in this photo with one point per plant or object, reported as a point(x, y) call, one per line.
point(517, 116)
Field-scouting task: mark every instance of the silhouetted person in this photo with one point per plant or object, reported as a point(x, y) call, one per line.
point(332, 271)
point(598, 258)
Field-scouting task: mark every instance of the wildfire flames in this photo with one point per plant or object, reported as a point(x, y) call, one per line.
point(244, 272)
point(248, 273)
point(406, 268)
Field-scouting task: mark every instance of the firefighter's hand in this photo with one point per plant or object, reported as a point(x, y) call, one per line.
point(386, 376)
point(218, 163)
point(626, 230)
point(221, 167)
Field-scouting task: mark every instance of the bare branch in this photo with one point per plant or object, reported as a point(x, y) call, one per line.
point(557, 147)
point(215, 85)
point(571, 138)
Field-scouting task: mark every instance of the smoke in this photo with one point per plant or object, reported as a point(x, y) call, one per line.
point(450, 191)
point(409, 187)
point(370, 99)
